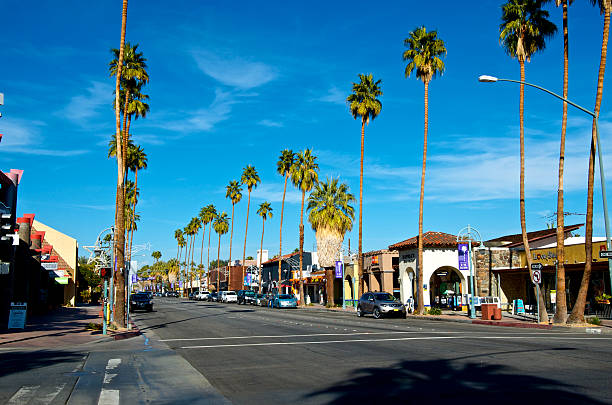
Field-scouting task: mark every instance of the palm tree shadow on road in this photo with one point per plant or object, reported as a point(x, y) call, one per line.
point(439, 381)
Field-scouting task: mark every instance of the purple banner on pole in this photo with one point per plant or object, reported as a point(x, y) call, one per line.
point(134, 278)
point(464, 258)
point(338, 269)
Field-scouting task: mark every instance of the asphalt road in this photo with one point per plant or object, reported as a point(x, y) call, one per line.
point(255, 355)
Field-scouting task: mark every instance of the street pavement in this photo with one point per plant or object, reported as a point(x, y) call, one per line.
point(255, 355)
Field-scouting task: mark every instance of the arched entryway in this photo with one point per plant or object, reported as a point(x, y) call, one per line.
point(446, 287)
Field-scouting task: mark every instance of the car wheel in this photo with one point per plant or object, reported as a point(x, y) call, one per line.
point(359, 312)
point(377, 313)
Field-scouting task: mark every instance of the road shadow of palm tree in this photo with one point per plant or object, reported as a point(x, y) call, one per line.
point(441, 381)
point(20, 361)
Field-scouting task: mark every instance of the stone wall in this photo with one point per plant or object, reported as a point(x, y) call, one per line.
point(492, 258)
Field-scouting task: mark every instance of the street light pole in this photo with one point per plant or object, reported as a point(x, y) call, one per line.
point(470, 233)
point(492, 79)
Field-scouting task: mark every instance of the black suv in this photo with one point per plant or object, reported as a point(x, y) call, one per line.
point(245, 296)
point(141, 301)
point(379, 304)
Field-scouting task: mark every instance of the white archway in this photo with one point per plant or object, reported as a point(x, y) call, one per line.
point(446, 283)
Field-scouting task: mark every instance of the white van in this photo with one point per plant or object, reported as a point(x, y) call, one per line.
point(229, 296)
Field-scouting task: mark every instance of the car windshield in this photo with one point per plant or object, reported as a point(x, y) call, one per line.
point(249, 293)
point(384, 297)
point(286, 296)
point(230, 293)
point(140, 296)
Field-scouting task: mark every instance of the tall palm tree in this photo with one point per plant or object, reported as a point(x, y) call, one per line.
point(250, 179)
point(197, 224)
point(211, 215)
point(119, 234)
point(205, 219)
point(178, 234)
point(523, 32)
point(561, 302)
point(156, 255)
point(424, 54)
point(363, 102)
point(220, 226)
point(285, 162)
point(234, 193)
point(577, 315)
point(137, 161)
point(331, 217)
point(265, 212)
point(304, 176)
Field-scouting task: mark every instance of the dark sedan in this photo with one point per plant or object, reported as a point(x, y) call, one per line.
point(141, 301)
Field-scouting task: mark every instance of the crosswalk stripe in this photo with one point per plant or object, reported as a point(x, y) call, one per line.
point(47, 398)
point(24, 394)
point(109, 397)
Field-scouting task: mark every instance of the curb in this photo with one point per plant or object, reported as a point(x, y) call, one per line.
point(512, 324)
point(127, 334)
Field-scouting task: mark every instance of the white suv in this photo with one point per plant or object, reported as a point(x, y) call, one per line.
point(229, 296)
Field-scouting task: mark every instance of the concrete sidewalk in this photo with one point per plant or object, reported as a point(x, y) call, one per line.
point(62, 327)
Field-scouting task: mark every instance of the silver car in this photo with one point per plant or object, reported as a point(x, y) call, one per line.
point(380, 304)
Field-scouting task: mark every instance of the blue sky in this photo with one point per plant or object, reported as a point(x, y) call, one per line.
point(235, 84)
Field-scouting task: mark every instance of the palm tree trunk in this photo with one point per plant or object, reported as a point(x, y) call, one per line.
point(263, 228)
point(208, 254)
point(577, 315)
point(543, 315)
point(133, 220)
point(245, 236)
point(280, 238)
point(120, 200)
point(231, 238)
point(218, 263)
point(561, 302)
point(420, 304)
point(359, 247)
point(202, 248)
point(301, 251)
point(185, 269)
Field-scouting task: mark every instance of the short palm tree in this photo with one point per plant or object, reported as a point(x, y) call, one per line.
point(363, 103)
point(220, 226)
point(178, 234)
point(211, 215)
point(577, 315)
point(156, 255)
point(331, 216)
point(424, 54)
point(207, 214)
point(304, 176)
point(250, 179)
point(285, 162)
point(234, 193)
point(265, 212)
point(523, 32)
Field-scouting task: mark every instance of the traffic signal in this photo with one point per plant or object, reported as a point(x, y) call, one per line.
point(105, 272)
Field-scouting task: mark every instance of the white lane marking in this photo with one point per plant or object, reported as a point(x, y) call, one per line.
point(46, 399)
point(357, 333)
point(24, 394)
point(112, 364)
point(392, 339)
point(109, 397)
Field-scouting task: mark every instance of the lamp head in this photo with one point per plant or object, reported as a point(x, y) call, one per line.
point(487, 79)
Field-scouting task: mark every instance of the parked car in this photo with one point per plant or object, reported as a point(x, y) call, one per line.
point(202, 295)
point(192, 295)
point(380, 304)
point(284, 301)
point(141, 301)
point(229, 296)
point(212, 297)
point(266, 300)
point(245, 296)
point(257, 299)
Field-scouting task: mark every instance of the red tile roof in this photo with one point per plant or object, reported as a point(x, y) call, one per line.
point(517, 239)
point(430, 239)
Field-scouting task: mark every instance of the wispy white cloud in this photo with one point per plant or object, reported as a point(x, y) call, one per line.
point(233, 71)
point(270, 123)
point(334, 95)
point(83, 107)
point(273, 192)
point(24, 137)
point(95, 207)
point(203, 119)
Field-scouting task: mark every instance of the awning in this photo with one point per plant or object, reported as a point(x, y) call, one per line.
point(61, 280)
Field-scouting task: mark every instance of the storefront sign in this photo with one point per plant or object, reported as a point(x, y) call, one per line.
point(5, 267)
point(247, 279)
point(17, 315)
point(339, 269)
point(553, 296)
point(464, 256)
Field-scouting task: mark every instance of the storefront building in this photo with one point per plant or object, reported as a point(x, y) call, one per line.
point(381, 271)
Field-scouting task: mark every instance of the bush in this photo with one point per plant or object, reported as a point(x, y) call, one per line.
point(434, 311)
point(594, 320)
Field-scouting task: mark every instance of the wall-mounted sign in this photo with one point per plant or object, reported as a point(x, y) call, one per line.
point(49, 265)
